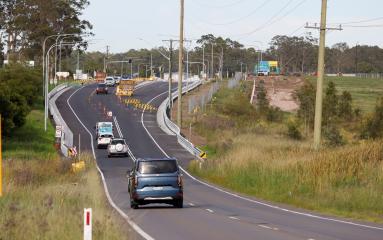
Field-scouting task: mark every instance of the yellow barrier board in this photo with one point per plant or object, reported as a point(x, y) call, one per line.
point(78, 166)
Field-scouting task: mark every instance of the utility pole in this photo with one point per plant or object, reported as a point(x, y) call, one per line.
point(151, 65)
point(356, 58)
point(107, 56)
point(212, 60)
point(321, 61)
point(180, 65)
point(170, 75)
point(203, 60)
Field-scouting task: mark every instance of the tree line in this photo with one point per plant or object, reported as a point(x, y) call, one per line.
point(295, 54)
point(24, 24)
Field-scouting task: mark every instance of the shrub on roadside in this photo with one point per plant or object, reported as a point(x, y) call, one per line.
point(19, 91)
point(372, 127)
point(332, 136)
point(293, 130)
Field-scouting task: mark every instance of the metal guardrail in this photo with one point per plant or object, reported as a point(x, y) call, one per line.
point(171, 128)
point(67, 135)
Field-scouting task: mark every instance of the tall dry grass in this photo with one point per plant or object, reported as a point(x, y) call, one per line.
point(45, 200)
point(347, 181)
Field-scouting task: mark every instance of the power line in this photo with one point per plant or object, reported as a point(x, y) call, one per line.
point(363, 26)
point(221, 6)
point(296, 30)
point(361, 21)
point(241, 18)
point(274, 19)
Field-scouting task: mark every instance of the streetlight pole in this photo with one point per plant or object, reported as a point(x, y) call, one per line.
point(46, 81)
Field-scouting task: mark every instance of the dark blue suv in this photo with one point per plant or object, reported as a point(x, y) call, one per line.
point(155, 181)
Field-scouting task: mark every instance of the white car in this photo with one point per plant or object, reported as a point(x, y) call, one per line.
point(118, 147)
point(110, 82)
point(104, 140)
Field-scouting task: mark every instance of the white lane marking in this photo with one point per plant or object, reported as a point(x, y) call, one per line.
point(122, 136)
point(276, 229)
point(209, 210)
point(126, 217)
point(118, 127)
point(264, 226)
point(234, 218)
point(248, 199)
point(191, 204)
point(311, 239)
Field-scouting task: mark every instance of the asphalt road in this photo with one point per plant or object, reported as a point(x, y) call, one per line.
point(209, 212)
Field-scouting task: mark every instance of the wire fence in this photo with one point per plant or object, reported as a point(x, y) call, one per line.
point(199, 102)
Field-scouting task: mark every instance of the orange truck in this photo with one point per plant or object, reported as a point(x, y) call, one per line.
point(100, 77)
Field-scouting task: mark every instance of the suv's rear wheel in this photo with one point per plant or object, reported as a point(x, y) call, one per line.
point(178, 203)
point(133, 204)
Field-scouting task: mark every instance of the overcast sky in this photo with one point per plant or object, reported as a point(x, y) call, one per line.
point(121, 23)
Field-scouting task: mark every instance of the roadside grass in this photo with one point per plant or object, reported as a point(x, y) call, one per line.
point(43, 198)
point(255, 157)
point(31, 141)
point(364, 91)
point(346, 181)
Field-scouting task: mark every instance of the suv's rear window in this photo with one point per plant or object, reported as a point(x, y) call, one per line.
point(118, 141)
point(157, 167)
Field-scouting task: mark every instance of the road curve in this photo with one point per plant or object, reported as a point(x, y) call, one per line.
point(209, 212)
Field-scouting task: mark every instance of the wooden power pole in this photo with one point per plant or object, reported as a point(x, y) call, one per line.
point(180, 65)
point(321, 71)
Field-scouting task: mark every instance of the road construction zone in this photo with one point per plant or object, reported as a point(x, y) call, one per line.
point(137, 104)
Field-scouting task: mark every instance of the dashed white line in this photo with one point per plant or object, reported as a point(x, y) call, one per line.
point(234, 218)
point(264, 226)
point(122, 213)
point(209, 210)
point(191, 204)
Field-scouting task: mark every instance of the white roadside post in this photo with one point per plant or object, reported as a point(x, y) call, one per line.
point(87, 224)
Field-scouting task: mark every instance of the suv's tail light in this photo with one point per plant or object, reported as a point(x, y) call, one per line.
point(179, 180)
point(136, 181)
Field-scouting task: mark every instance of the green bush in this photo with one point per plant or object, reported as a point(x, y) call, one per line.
point(20, 88)
point(332, 136)
point(293, 130)
point(373, 125)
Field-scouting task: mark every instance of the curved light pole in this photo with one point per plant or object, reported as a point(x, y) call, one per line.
point(46, 80)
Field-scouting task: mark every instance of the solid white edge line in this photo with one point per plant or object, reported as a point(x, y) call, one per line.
point(248, 199)
point(139, 230)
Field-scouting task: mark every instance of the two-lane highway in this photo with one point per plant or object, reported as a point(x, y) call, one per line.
point(209, 212)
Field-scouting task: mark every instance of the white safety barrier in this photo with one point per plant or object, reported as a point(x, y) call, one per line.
point(171, 128)
point(67, 135)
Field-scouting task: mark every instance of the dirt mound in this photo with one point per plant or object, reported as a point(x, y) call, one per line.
point(280, 91)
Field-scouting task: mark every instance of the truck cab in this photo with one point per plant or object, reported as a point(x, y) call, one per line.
point(104, 133)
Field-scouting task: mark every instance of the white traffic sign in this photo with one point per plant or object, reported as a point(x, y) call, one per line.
point(87, 224)
point(110, 114)
point(59, 131)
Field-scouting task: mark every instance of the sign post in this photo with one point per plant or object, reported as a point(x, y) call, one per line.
point(87, 224)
